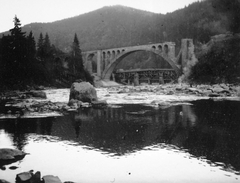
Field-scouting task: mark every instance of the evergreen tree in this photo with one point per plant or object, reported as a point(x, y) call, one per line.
point(15, 55)
point(31, 46)
point(77, 61)
point(18, 50)
point(40, 52)
point(75, 46)
point(1, 63)
point(17, 30)
point(47, 47)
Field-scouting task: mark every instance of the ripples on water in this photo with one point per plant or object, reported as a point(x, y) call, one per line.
point(131, 143)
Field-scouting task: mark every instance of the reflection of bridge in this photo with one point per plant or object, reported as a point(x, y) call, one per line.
point(165, 115)
point(108, 59)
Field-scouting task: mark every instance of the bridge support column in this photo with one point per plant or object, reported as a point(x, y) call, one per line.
point(171, 50)
point(99, 62)
point(187, 48)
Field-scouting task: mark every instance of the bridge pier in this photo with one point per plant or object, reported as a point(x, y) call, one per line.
point(99, 65)
point(187, 49)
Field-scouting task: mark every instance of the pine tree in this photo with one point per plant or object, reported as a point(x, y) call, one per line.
point(77, 62)
point(15, 55)
point(18, 49)
point(47, 46)
point(76, 51)
point(17, 30)
point(31, 46)
point(40, 51)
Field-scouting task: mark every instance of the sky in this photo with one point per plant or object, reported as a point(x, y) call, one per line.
point(29, 11)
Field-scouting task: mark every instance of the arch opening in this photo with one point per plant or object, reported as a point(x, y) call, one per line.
point(166, 49)
point(160, 48)
point(111, 68)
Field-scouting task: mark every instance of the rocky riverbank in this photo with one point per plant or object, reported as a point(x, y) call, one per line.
point(218, 90)
point(31, 177)
point(54, 102)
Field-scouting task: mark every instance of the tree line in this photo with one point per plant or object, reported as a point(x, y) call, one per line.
point(25, 63)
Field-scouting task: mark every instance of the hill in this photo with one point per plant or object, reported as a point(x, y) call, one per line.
point(114, 26)
point(117, 26)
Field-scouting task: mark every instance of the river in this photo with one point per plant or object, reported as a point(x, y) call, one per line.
point(197, 141)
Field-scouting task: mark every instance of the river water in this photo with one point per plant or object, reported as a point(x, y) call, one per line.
point(194, 142)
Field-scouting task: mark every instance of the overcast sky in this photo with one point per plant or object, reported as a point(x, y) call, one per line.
point(29, 11)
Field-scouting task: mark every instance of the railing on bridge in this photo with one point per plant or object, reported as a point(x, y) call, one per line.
point(145, 76)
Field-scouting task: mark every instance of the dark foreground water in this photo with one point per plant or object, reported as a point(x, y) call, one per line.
point(131, 143)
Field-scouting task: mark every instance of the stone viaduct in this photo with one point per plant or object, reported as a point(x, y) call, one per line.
point(108, 59)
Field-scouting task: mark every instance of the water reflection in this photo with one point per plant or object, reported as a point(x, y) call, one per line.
point(18, 129)
point(206, 130)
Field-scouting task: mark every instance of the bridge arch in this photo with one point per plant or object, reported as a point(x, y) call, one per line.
point(116, 60)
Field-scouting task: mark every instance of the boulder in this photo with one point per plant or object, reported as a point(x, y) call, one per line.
point(37, 94)
point(36, 178)
point(23, 177)
point(8, 156)
point(40, 88)
point(218, 89)
point(51, 179)
point(237, 89)
point(13, 167)
point(83, 91)
point(74, 102)
point(193, 90)
point(3, 181)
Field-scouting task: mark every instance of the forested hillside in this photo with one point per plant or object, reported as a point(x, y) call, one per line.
point(117, 26)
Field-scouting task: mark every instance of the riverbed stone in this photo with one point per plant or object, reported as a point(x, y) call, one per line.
point(99, 103)
point(23, 177)
point(51, 179)
point(237, 90)
point(74, 102)
point(83, 91)
point(224, 86)
point(214, 95)
point(36, 178)
point(194, 90)
point(37, 94)
point(13, 167)
point(3, 181)
point(206, 92)
point(218, 89)
point(10, 154)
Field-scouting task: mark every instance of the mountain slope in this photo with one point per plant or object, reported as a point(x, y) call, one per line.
point(117, 26)
point(107, 27)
